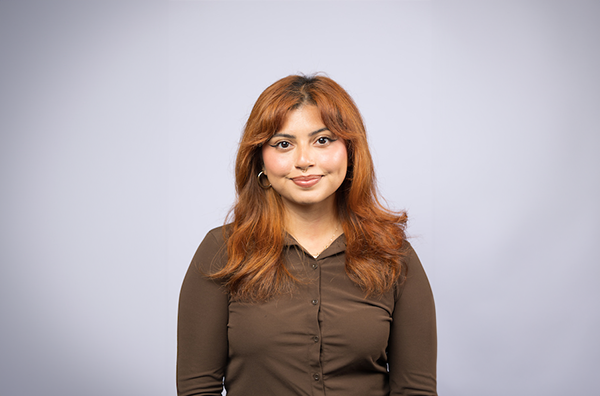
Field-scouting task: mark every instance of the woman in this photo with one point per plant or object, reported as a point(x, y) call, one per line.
point(312, 289)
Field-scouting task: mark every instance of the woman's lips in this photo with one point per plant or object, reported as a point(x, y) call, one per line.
point(306, 181)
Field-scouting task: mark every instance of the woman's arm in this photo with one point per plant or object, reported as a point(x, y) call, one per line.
point(412, 348)
point(202, 324)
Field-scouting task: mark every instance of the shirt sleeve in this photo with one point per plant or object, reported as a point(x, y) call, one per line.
point(202, 346)
point(412, 348)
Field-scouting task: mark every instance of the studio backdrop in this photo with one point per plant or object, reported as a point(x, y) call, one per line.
point(119, 124)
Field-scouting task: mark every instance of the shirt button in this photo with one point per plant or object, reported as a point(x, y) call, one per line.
point(315, 266)
point(316, 339)
point(315, 302)
point(316, 377)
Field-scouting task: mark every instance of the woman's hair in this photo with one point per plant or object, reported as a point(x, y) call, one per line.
point(255, 268)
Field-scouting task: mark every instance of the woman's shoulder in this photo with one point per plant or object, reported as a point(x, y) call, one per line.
point(410, 258)
point(408, 252)
point(414, 277)
point(211, 255)
point(217, 234)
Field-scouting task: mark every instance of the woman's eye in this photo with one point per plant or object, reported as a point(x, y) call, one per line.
point(283, 144)
point(323, 140)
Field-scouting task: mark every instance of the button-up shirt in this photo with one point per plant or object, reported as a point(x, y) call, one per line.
point(323, 338)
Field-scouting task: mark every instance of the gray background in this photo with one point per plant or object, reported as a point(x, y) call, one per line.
point(119, 123)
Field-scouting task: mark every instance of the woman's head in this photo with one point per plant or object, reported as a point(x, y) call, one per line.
point(374, 235)
point(339, 115)
point(304, 162)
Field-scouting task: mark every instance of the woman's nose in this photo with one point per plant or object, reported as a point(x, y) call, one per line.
point(304, 159)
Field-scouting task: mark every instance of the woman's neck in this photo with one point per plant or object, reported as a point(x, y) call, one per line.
point(313, 227)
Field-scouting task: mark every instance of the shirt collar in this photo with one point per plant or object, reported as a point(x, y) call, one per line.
point(337, 246)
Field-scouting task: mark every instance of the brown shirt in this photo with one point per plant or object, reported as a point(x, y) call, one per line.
point(325, 338)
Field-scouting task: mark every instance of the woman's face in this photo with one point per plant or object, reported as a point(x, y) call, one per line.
point(304, 162)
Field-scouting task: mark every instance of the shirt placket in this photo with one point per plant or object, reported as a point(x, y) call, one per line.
point(314, 335)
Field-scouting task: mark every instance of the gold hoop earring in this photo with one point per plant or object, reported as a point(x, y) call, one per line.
point(260, 183)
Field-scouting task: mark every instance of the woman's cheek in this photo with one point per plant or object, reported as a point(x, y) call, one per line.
point(275, 163)
point(336, 159)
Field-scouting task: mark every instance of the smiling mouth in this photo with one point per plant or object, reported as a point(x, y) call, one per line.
point(306, 181)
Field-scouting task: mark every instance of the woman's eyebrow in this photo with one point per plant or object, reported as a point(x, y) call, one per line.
point(288, 136)
point(319, 131)
point(285, 135)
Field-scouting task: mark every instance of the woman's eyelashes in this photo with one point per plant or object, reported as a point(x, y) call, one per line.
point(283, 144)
point(323, 140)
point(320, 141)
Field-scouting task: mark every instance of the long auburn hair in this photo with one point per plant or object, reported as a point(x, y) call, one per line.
point(255, 268)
